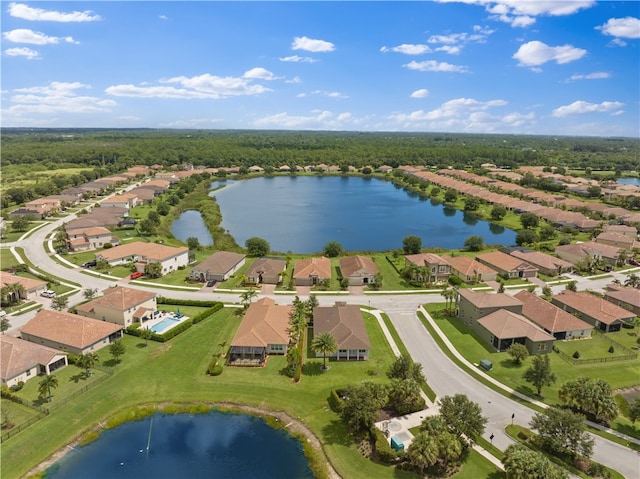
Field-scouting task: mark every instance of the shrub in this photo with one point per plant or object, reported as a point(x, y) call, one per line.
point(17, 387)
point(576, 355)
point(107, 246)
point(455, 280)
point(383, 449)
point(335, 402)
point(598, 470)
point(612, 349)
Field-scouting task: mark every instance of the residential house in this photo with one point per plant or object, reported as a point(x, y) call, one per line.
point(508, 265)
point(385, 169)
point(263, 331)
point(431, 267)
point(473, 305)
point(86, 239)
point(593, 309)
point(70, 332)
point(552, 319)
point(618, 240)
point(626, 297)
point(126, 200)
point(469, 270)
point(312, 271)
point(120, 305)
point(22, 360)
point(44, 206)
point(358, 270)
point(31, 287)
point(143, 195)
point(266, 271)
point(219, 266)
point(629, 231)
point(502, 328)
point(577, 252)
point(169, 257)
point(345, 323)
point(546, 264)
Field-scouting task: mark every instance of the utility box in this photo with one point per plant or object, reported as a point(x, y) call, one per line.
point(486, 364)
point(396, 444)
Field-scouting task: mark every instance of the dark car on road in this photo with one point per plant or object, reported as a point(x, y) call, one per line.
point(210, 283)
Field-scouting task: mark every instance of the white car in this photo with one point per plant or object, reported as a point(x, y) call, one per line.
point(48, 293)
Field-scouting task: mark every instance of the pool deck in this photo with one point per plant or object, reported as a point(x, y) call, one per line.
point(157, 319)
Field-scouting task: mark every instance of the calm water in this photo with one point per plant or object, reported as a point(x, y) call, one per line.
point(190, 225)
point(629, 181)
point(210, 445)
point(302, 214)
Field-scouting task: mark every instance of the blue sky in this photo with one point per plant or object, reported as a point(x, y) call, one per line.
point(569, 67)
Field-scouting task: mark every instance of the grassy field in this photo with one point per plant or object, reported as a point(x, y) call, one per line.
point(7, 260)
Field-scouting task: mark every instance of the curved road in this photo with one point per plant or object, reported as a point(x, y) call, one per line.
point(444, 376)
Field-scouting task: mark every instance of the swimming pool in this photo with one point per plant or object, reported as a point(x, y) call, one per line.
point(164, 325)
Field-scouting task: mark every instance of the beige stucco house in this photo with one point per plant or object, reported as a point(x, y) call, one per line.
point(266, 271)
point(119, 305)
point(312, 271)
point(359, 270)
point(219, 266)
point(169, 257)
point(22, 360)
point(345, 323)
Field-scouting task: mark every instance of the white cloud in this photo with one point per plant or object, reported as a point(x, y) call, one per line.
point(582, 107)
point(434, 66)
point(24, 35)
point(28, 53)
point(294, 80)
point(312, 45)
point(297, 59)
point(589, 76)
point(421, 93)
point(317, 120)
point(450, 49)
point(522, 13)
point(193, 123)
point(56, 97)
point(627, 27)
point(537, 53)
point(259, 73)
point(163, 17)
point(198, 87)
point(20, 10)
point(408, 49)
point(329, 94)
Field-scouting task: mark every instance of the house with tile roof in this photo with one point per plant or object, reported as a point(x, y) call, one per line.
point(120, 305)
point(593, 309)
point(170, 258)
point(345, 323)
point(219, 266)
point(263, 331)
point(70, 332)
point(618, 240)
point(503, 328)
point(359, 270)
point(577, 252)
point(508, 265)
point(473, 305)
point(266, 271)
point(624, 296)
point(546, 264)
point(86, 239)
point(125, 200)
point(312, 271)
point(626, 230)
point(32, 287)
point(431, 268)
point(22, 360)
point(469, 270)
point(554, 320)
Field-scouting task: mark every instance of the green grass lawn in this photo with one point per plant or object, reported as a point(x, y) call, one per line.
point(7, 260)
point(596, 347)
point(16, 413)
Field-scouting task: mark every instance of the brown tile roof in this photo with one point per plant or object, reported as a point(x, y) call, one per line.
point(422, 259)
point(18, 355)
point(357, 265)
point(541, 260)
point(504, 324)
point(467, 265)
point(503, 261)
point(29, 284)
point(119, 298)
point(590, 248)
point(307, 267)
point(593, 306)
point(344, 322)
point(547, 315)
point(488, 300)
point(220, 262)
point(627, 295)
point(153, 251)
point(69, 329)
point(267, 267)
point(264, 323)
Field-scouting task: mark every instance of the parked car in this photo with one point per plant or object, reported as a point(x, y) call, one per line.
point(47, 293)
point(211, 283)
point(90, 264)
point(136, 275)
point(634, 262)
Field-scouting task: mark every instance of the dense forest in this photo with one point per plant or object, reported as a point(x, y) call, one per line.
point(121, 148)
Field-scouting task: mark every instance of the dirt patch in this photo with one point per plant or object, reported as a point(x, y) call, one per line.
point(296, 427)
point(629, 394)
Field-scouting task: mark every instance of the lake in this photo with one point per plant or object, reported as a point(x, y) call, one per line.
point(303, 213)
point(221, 445)
point(629, 181)
point(189, 224)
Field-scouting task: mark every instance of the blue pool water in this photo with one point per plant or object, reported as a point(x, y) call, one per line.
point(203, 446)
point(163, 325)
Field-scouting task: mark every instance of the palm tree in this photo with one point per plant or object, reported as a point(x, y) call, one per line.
point(46, 385)
point(423, 452)
point(633, 280)
point(88, 361)
point(247, 296)
point(324, 343)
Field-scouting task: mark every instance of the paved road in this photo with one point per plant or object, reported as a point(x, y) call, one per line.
point(443, 375)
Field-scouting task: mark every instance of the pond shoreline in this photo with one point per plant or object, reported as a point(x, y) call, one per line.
point(296, 429)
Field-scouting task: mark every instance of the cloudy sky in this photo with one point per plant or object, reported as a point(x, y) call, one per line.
point(569, 67)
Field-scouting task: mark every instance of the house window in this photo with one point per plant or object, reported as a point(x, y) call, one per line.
point(443, 269)
point(542, 346)
point(28, 372)
point(433, 270)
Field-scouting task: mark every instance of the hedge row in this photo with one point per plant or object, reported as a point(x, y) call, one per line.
point(186, 302)
point(335, 401)
point(384, 451)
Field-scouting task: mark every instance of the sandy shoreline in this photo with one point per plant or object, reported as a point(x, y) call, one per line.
point(290, 423)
